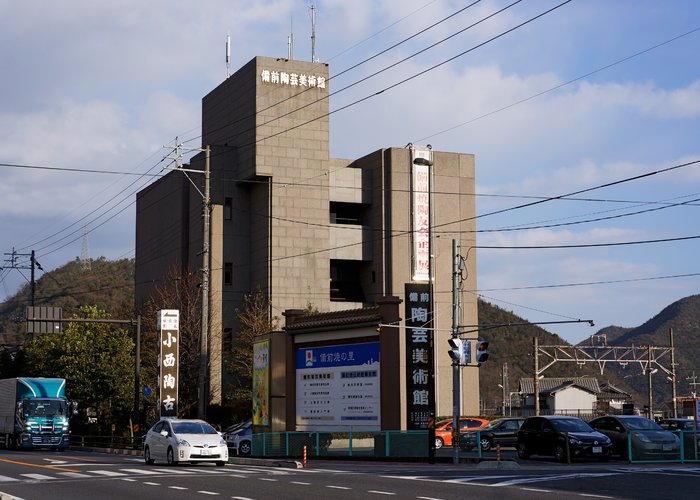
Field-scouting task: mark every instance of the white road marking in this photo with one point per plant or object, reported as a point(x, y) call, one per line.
point(593, 496)
point(74, 474)
point(381, 492)
point(338, 487)
point(128, 479)
point(110, 473)
point(242, 498)
point(268, 479)
point(203, 492)
point(177, 487)
point(39, 477)
point(428, 498)
point(6, 479)
point(536, 490)
point(151, 484)
point(300, 482)
point(148, 472)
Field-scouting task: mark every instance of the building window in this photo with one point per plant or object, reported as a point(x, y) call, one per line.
point(228, 208)
point(228, 273)
point(346, 283)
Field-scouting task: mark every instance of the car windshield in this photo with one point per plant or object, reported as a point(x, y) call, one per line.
point(641, 424)
point(571, 425)
point(192, 428)
point(492, 424)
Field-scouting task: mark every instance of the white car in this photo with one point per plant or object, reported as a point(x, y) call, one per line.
point(178, 440)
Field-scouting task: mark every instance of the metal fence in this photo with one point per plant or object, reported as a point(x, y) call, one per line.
point(385, 444)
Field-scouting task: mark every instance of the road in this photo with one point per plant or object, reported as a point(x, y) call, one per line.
point(73, 474)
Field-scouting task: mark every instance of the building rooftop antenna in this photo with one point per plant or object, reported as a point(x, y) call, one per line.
point(228, 55)
point(313, 32)
point(290, 40)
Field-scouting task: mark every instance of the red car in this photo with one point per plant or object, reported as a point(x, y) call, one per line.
point(443, 429)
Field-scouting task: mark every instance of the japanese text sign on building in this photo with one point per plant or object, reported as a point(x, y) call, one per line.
point(420, 385)
point(292, 79)
point(420, 206)
point(169, 339)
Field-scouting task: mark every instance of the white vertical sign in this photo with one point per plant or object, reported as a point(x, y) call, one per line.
point(420, 195)
point(169, 327)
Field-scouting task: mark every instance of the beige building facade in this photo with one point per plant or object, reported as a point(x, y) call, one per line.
point(307, 229)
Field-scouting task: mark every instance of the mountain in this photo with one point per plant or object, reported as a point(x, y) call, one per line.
point(107, 284)
point(512, 344)
point(683, 319)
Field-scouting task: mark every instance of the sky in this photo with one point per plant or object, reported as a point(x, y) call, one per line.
point(593, 102)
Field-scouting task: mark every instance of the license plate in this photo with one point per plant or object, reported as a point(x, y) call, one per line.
point(205, 452)
point(597, 449)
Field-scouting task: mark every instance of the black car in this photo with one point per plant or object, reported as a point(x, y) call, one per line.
point(684, 427)
point(562, 437)
point(503, 431)
point(644, 437)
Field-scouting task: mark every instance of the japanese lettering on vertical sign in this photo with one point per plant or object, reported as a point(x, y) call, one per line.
point(420, 387)
point(169, 338)
point(421, 216)
point(261, 383)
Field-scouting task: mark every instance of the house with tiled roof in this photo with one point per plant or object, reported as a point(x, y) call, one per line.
point(560, 396)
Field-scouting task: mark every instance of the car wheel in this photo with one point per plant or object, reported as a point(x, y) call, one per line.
point(560, 453)
point(171, 457)
point(147, 456)
point(244, 448)
point(522, 451)
point(438, 443)
point(485, 444)
point(220, 464)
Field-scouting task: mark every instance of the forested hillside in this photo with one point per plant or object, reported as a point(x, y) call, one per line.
point(107, 284)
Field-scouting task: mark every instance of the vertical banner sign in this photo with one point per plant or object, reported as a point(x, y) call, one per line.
point(261, 383)
point(420, 204)
point(169, 328)
point(420, 397)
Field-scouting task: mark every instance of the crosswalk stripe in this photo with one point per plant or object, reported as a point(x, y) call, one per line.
point(110, 473)
point(173, 471)
point(148, 472)
point(206, 471)
point(5, 479)
point(74, 474)
point(40, 477)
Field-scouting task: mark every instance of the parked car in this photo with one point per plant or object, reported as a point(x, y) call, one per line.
point(686, 428)
point(443, 429)
point(553, 434)
point(503, 431)
point(239, 437)
point(647, 438)
point(182, 440)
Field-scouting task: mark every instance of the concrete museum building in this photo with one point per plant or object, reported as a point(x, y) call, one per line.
point(308, 229)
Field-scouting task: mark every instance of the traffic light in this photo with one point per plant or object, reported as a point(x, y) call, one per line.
point(456, 351)
point(482, 351)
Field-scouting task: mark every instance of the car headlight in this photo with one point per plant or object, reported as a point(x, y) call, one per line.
point(575, 441)
point(222, 442)
point(182, 442)
point(644, 438)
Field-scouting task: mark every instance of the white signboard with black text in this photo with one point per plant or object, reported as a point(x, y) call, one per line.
point(337, 388)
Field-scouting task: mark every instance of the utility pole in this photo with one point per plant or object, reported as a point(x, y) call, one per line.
point(537, 378)
point(456, 392)
point(673, 375)
point(202, 380)
point(504, 386)
point(11, 262)
point(204, 338)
